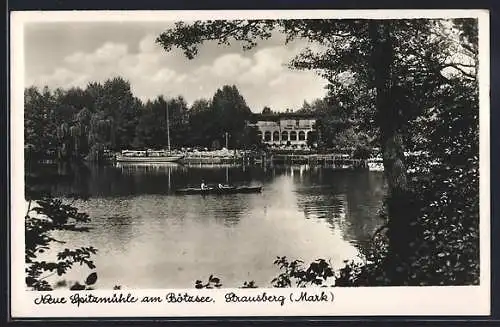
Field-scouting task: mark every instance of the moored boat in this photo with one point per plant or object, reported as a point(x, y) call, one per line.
point(220, 190)
point(148, 156)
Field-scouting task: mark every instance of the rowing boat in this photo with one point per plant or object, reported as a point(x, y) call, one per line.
point(221, 190)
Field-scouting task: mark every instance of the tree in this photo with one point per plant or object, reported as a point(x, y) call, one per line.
point(249, 139)
point(422, 89)
point(118, 102)
point(230, 114)
point(40, 128)
point(148, 126)
point(267, 111)
point(100, 136)
point(200, 121)
point(209, 121)
point(67, 120)
point(70, 102)
point(337, 124)
point(151, 130)
point(178, 120)
point(306, 108)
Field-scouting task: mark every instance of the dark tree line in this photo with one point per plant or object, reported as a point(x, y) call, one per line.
point(82, 123)
point(397, 80)
point(338, 129)
point(413, 85)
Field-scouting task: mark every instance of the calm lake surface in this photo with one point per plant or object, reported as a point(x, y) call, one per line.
point(147, 237)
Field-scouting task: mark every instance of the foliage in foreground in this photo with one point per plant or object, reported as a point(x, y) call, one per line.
point(433, 237)
point(77, 123)
point(415, 82)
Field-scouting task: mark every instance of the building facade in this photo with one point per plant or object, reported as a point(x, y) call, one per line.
point(284, 129)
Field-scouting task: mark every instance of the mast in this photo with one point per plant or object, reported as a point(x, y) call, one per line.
point(168, 128)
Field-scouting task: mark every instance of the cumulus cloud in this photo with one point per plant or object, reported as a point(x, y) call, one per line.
point(268, 63)
point(262, 76)
point(148, 44)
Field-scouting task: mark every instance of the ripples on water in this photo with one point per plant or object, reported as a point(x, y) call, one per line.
point(148, 237)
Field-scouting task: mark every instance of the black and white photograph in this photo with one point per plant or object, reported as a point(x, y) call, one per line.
point(227, 153)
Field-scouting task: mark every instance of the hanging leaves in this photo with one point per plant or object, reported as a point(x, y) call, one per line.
point(91, 279)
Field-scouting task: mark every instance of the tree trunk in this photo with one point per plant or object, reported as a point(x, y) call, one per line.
point(389, 120)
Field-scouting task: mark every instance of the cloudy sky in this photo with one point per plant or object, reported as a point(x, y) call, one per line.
point(73, 54)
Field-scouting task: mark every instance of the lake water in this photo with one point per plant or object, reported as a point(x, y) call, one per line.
point(147, 237)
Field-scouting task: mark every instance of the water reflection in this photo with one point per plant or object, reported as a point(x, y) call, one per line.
point(150, 238)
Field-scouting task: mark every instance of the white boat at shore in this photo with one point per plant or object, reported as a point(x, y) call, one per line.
point(151, 156)
point(375, 164)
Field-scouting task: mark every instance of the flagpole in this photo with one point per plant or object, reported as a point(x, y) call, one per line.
point(168, 129)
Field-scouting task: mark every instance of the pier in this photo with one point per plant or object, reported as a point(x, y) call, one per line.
point(270, 158)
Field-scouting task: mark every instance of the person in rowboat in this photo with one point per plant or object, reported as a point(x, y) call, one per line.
point(203, 185)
